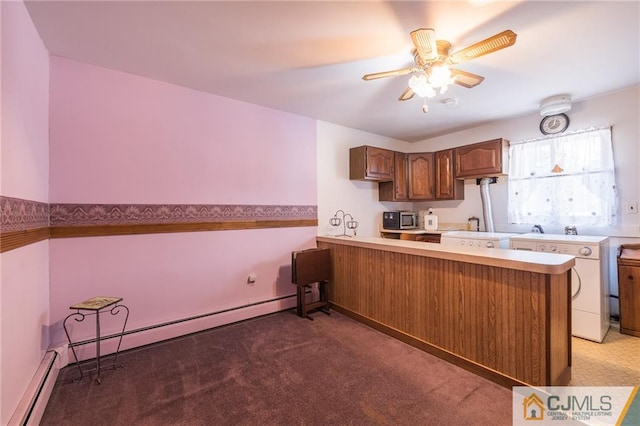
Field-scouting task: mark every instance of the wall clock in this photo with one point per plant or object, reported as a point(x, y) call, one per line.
point(552, 124)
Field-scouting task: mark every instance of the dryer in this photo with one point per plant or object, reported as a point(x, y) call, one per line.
point(589, 278)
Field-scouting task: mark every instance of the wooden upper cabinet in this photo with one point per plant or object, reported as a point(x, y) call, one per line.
point(396, 190)
point(421, 176)
point(447, 187)
point(481, 159)
point(371, 163)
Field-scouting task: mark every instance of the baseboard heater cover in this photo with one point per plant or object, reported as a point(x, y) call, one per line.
point(34, 401)
point(182, 320)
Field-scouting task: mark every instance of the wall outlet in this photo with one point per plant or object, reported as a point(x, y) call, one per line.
point(251, 280)
point(631, 208)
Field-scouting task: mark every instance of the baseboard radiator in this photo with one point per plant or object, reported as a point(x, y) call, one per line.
point(189, 319)
point(34, 401)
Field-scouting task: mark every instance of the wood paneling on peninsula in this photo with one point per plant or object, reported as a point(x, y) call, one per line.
point(509, 325)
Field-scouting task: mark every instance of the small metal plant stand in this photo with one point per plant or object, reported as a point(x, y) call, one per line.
point(346, 224)
point(94, 306)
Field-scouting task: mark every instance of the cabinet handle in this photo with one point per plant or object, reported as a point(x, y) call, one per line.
point(630, 277)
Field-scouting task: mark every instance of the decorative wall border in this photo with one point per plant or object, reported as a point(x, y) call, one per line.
point(22, 222)
point(20, 215)
point(139, 214)
point(25, 222)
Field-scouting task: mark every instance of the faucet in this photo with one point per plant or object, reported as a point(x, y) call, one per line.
point(537, 229)
point(570, 230)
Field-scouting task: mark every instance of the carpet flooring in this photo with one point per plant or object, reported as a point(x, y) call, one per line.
point(280, 370)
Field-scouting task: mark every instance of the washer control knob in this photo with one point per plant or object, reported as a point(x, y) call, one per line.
point(553, 248)
point(585, 251)
point(542, 247)
point(490, 244)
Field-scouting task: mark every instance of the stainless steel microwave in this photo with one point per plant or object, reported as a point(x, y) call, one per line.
point(399, 220)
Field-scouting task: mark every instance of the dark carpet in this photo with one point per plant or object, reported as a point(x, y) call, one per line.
point(280, 370)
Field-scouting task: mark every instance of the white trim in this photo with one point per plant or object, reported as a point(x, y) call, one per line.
point(34, 401)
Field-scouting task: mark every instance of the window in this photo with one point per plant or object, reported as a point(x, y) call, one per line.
point(563, 180)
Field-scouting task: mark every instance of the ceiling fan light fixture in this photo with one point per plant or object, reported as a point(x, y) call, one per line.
point(440, 76)
point(421, 87)
point(431, 82)
point(556, 104)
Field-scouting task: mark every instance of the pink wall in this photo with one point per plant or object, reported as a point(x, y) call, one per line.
point(25, 107)
point(119, 138)
point(24, 171)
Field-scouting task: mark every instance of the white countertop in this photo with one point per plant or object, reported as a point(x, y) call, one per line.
point(481, 235)
point(415, 231)
point(546, 263)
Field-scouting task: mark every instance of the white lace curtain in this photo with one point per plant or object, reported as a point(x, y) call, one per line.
point(564, 180)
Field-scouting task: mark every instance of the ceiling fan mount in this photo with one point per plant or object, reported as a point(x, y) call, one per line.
point(442, 47)
point(430, 54)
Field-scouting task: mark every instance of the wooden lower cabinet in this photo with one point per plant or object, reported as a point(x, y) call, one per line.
point(428, 238)
point(629, 288)
point(510, 326)
point(410, 236)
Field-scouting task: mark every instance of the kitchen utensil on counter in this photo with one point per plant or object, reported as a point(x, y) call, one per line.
point(473, 224)
point(351, 224)
point(430, 221)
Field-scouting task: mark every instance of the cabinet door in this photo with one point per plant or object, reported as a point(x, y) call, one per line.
point(370, 163)
point(428, 238)
point(421, 174)
point(447, 187)
point(629, 288)
point(396, 190)
point(480, 159)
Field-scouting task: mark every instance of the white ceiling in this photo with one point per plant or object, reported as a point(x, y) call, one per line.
point(308, 57)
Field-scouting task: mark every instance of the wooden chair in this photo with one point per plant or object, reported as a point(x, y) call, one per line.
point(309, 267)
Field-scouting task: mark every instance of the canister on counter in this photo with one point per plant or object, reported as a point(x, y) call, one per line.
point(430, 221)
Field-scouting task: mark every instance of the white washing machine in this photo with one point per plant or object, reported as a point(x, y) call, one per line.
point(476, 239)
point(589, 278)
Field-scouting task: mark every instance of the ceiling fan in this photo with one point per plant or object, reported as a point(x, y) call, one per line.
point(432, 62)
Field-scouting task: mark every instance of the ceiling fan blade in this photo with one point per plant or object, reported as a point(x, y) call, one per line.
point(466, 79)
point(406, 95)
point(393, 73)
point(424, 39)
point(496, 42)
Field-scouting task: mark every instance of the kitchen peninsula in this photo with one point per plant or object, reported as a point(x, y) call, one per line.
point(503, 314)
